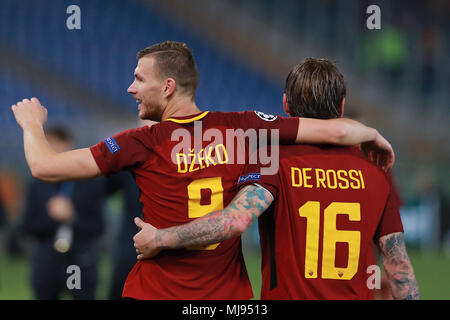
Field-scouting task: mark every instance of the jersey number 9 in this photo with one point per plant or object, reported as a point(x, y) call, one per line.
point(196, 209)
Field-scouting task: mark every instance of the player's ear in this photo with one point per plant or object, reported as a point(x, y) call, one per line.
point(169, 87)
point(341, 111)
point(286, 105)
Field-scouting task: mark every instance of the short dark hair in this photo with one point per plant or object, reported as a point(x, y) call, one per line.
point(175, 60)
point(315, 89)
point(60, 132)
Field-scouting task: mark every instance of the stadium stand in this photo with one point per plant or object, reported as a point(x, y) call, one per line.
point(102, 54)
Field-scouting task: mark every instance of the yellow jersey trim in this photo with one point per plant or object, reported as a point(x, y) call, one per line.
point(200, 116)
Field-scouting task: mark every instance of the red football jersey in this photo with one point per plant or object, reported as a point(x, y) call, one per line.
point(179, 186)
point(317, 238)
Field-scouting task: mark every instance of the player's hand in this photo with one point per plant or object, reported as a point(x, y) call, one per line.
point(145, 240)
point(29, 112)
point(380, 152)
point(60, 209)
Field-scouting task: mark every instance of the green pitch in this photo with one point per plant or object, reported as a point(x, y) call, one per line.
point(432, 272)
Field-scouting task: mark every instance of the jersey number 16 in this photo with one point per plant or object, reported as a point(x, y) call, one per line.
point(311, 211)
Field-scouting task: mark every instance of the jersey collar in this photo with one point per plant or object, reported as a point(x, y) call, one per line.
point(188, 118)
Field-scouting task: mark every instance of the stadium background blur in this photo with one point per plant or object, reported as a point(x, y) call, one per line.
point(397, 81)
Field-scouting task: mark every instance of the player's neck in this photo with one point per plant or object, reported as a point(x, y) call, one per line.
point(181, 107)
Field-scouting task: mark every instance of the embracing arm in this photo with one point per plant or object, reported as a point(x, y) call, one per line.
point(220, 225)
point(340, 131)
point(45, 164)
point(347, 132)
point(397, 265)
point(232, 221)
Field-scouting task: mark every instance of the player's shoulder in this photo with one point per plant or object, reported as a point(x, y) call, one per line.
point(294, 150)
point(352, 154)
point(322, 149)
point(159, 128)
point(144, 135)
point(244, 115)
point(226, 116)
point(135, 131)
point(359, 156)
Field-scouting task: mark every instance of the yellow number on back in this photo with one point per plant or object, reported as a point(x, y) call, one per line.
point(331, 236)
point(311, 211)
point(197, 210)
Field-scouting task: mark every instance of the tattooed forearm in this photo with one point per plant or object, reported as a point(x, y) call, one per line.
point(220, 225)
point(397, 265)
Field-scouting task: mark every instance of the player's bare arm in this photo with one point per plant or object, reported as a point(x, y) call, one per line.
point(397, 265)
point(232, 221)
point(347, 132)
point(45, 164)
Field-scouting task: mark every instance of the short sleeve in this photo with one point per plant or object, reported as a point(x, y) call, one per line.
point(123, 150)
point(287, 126)
point(391, 221)
point(252, 175)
